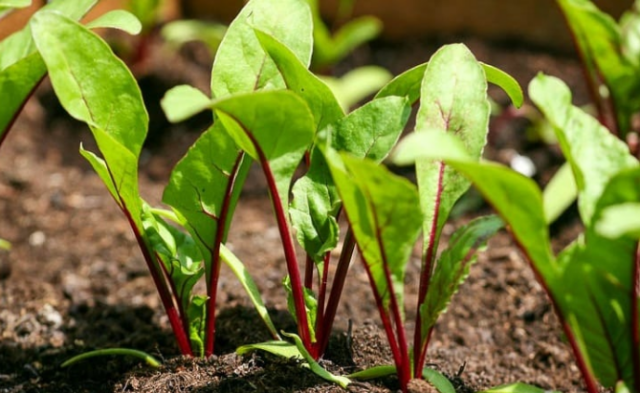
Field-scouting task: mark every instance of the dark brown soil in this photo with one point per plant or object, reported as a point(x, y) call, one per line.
point(78, 281)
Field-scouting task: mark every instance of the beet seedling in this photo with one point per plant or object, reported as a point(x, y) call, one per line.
point(593, 282)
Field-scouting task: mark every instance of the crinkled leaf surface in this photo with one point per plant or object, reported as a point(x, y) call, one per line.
point(274, 126)
point(384, 213)
point(241, 65)
point(117, 19)
point(453, 100)
point(594, 154)
point(453, 267)
point(323, 104)
point(95, 87)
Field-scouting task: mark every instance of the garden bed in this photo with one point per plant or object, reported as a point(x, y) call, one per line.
point(78, 281)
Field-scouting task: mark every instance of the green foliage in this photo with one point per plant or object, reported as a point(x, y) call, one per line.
point(610, 54)
point(593, 282)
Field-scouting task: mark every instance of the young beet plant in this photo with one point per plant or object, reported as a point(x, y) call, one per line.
point(97, 88)
point(593, 283)
point(342, 155)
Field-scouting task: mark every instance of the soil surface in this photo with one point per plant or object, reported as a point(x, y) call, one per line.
point(76, 281)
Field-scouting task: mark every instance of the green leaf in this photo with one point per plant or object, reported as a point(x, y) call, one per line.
point(506, 82)
point(241, 65)
point(601, 278)
point(560, 193)
point(150, 360)
point(204, 188)
point(630, 31)
point(9, 5)
point(18, 81)
point(279, 348)
point(20, 44)
point(117, 19)
point(453, 267)
point(438, 380)
point(599, 41)
point(384, 213)
point(184, 101)
point(95, 87)
point(274, 127)
point(147, 11)
point(357, 84)
point(299, 79)
point(249, 284)
point(315, 367)
point(453, 100)
point(314, 209)
point(373, 129)
point(374, 372)
point(197, 312)
point(594, 154)
point(620, 220)
point(311, 306)
point(408, 84)
point(517, 387)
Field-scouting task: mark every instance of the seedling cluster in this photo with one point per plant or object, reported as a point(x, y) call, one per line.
point(269, 108)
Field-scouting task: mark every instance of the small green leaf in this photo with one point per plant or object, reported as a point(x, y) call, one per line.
point(374, 372)
point(184, 101)
point(117, 19)
point(517, 387)
point(453, 266)
point(311, 306)
point(150, 360)
point(560, 193)
point(179, 32)
point(241, 66)
point(506, 82)
point(581, 138)
point(197, 312)
point(438, 380)
point(279, 348)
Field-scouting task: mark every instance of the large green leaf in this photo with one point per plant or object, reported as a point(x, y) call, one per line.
point(594, 154)
point(275, 128)
point(602, 281)
point(453, 100)
point(117, 19)
point(20, 44)
point(384, 212)
point(241, 65)
point(95, 87)
point(299, 79)
point(453, 267)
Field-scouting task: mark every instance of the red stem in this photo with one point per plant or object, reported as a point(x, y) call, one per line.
point(336, 290)
point(163, 290)
point(308, 272)
point(212, 289)
point(176, 293)
point(420, 350)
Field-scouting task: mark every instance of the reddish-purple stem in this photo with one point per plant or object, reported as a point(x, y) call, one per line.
point(210, 324)
point(336, 290)
point(163, 290)
point(420, 350)
point(308, 272)
point(635, 322)
point(176, 293)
